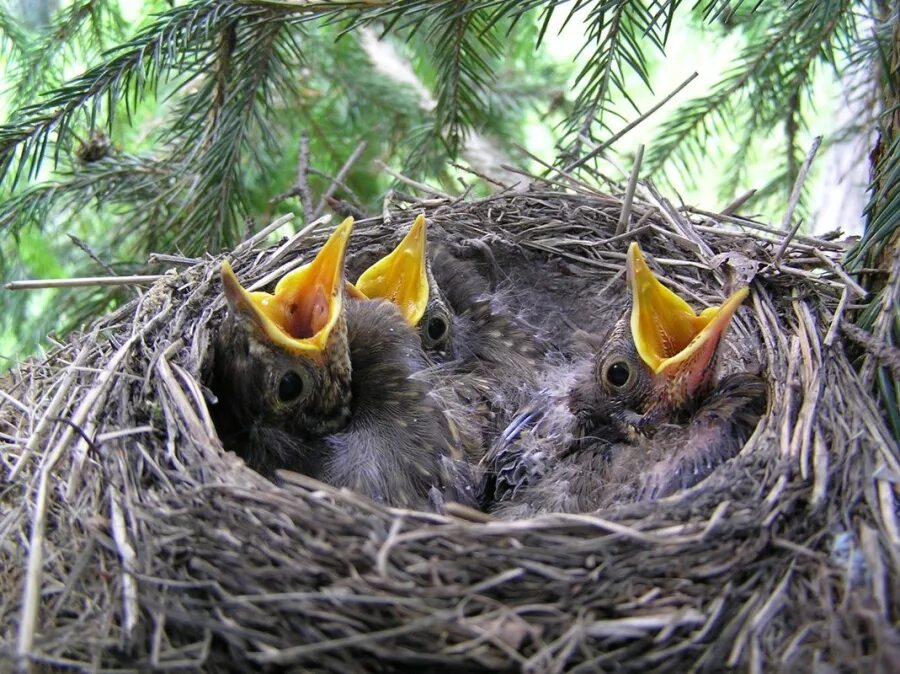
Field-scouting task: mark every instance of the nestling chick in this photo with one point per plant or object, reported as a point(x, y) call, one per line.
point(483, 358)
point(605, 434)
point(448, 302)
point(309, 382)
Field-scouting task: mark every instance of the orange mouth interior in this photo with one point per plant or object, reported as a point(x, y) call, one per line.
point(304, 308)
point(667, 333)
point(402, 275)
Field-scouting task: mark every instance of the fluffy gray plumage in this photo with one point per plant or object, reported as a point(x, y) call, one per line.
point(586, 440)
point(488, 363)
point(384, 436)
point(482, 357)
point(556, 466)
point(482, 327)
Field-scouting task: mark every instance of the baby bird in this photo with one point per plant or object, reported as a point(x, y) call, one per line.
point(482, 357)
point(309, 382)
point(611, 427)
point(448, 302)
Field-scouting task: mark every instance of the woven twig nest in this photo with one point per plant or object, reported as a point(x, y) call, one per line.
point(130, 539)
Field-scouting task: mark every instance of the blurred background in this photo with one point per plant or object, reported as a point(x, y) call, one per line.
point(141, 127)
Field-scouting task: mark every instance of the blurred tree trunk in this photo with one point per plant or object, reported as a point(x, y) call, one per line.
point(882, 317)
point(844, 166)
point(881, 256)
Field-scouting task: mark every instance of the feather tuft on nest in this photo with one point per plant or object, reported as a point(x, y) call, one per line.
point(131, 540)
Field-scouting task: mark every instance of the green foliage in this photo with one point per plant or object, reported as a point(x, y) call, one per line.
point(883, 209)
point(12, 36)
point(769, 85)
point(618, 36)
point(77, 32)
point(465, 69)
point(205, 105)
point(876, 249)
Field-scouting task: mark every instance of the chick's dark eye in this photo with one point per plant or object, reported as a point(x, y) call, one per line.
point(436, 328)
point(290, 387)
point(618, 374)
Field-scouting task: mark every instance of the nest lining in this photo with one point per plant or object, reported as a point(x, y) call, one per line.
point(131, 539)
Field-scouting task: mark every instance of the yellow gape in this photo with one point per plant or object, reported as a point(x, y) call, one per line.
point(669, 336)
point(301, 314)
point(401, 276)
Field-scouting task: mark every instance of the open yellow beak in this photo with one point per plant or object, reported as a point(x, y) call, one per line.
point(401, 276)
point(301, 314)
point(669, 336)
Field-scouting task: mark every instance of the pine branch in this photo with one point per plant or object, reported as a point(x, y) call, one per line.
point(727, 11)
point(466, 55)
point(179, 41)
point(883, 209)
point(126, 196)
point(426, 152)
point(80, 29)
point(14, 38)
point(252, 65)
point(361, 100)
point(182, 41)
point(615, 42)
point(225, 118)
point(230, 71)
point(123, 181)
point(770, 71)
point(466, 47)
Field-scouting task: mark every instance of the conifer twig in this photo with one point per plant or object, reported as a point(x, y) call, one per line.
point(837, 318)
point(409, 181)
point(629, 192)
point(333, 179)
point(628, 127)
point(82, 282)
point(576, 184)
point(91, 254)
point(840, 273)
point(886, 354)
point(299, 236)
point(482, 176)
point(741, 221)
point(794, 200)
point(890, 299)
point(301, 187)
point(303, 177)
point(261, 235)
point(739, 201)
point(339, 178)
point(172, 259)
point(345, 209)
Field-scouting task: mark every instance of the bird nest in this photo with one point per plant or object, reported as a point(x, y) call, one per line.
point(131, 539)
